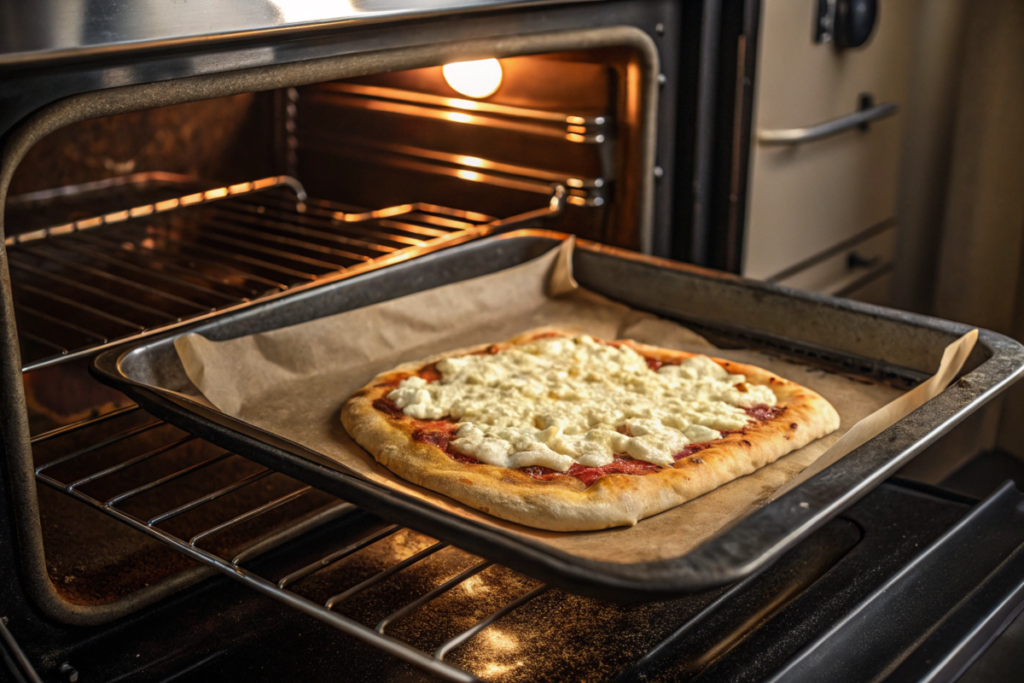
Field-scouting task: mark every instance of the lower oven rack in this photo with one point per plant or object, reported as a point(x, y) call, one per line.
point(233, 564)
point(832, 573)
point(281, 587)
point(144, 458)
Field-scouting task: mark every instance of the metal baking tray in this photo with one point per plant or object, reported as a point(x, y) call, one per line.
point(842, 335)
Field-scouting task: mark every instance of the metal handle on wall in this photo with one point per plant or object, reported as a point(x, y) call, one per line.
point(798, 136)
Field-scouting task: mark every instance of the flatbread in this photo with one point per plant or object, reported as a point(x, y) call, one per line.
point(412, 449)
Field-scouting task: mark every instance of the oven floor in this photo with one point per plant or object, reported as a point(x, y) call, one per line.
point(221, 630)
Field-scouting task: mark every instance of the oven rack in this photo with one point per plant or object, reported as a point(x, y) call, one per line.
point(581, 191)
point(571, 127)
point(129, 449)
point(131, 273)
point(196, 545)
point(44, 208)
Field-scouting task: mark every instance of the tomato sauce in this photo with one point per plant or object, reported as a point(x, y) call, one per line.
point(691, 450)
point(588, 475)
point(430, 373)
point(440, 433)
point(763, 413)
point(388, 407)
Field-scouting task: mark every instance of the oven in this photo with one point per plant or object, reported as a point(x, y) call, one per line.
point(165, 165)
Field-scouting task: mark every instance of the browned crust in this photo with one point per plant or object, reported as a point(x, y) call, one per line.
point(565, 503)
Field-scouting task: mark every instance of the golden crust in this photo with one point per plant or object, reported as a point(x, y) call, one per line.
point(566, 503)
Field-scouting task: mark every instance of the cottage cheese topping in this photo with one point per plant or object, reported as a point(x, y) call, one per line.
point(559, 401)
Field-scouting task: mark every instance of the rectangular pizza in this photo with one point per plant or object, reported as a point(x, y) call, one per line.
point(571, 433)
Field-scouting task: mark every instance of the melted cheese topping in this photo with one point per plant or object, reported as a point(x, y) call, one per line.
point(559, 401)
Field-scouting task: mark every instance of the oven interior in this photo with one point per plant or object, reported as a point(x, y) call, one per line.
point(121, 226)
point(124, 226)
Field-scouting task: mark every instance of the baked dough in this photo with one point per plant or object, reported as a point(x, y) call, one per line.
point(405, 446)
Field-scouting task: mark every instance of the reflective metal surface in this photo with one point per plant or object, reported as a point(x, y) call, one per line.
point(46, 29)
point(399, 128)
point(798, 136)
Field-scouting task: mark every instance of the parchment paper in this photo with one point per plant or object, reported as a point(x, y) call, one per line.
point(293, 381)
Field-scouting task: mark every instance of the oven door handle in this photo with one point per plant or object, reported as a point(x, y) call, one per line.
point(798, 136)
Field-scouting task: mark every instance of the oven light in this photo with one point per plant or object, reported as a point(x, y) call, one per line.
point(477, 79)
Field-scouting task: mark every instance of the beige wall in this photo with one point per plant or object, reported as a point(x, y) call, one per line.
point(982, 231)
point(979, 273)
point(978, 226)
point(930, 115)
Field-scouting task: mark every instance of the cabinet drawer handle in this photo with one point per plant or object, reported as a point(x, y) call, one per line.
point(798, 136)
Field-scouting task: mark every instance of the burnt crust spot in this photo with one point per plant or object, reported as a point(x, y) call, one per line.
point(388, 407)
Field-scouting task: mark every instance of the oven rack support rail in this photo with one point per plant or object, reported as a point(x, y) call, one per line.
point(575, 128)
point(572, 127)
point(279, 589)
point(128, 274)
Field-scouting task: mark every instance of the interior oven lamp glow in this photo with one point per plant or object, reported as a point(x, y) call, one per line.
point(477, 79)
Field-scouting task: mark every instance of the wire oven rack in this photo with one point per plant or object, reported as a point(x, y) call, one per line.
point(130, 273)
point(84, 481)
point(575, 128)
point(592, 130)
